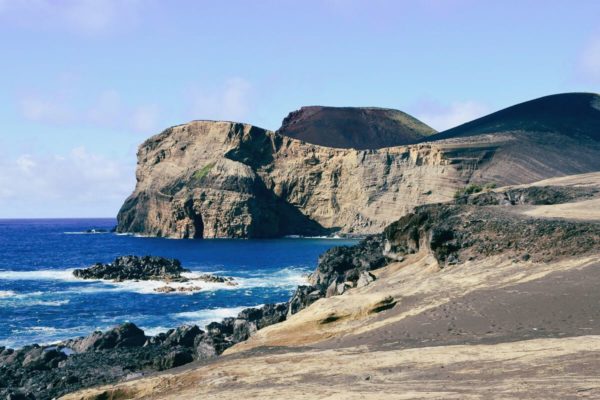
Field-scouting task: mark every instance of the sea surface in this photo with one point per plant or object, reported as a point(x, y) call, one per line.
point(41, 301)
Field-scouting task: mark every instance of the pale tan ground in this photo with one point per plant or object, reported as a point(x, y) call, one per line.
point(590, 179)
point(353, 357)
point(539, 369)
point(582, 210)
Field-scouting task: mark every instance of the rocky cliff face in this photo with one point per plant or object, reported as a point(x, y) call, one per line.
point(220, 179)
point(209, 179)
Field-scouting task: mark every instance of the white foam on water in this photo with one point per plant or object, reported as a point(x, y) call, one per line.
point(155, 330)
point(185, 288)
point(206, 316)
point(50, 332)
point(334, 237)
point(48, 303)
point(40, 275)
point(30, 299)
point(86, 233)
point(286, 278)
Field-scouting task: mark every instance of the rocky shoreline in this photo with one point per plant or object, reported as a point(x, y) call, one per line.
point(125, 352)
point(467, 230)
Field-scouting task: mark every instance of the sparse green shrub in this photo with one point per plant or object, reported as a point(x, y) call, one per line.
point(201, 173)
point(473, 188)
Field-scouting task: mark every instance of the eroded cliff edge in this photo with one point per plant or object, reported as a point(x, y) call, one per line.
point(221, 179)
point(212, 179)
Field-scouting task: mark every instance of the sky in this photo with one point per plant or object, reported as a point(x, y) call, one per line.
point(84, 82)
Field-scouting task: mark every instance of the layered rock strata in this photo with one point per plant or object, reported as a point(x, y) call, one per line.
point(208, 179)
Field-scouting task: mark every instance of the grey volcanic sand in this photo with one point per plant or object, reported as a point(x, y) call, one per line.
point(561, 304)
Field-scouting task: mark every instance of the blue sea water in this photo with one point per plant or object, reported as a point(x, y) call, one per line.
point(41, 302)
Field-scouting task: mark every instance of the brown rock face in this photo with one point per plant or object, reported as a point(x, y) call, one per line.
point(354, 127)
point(221, 179)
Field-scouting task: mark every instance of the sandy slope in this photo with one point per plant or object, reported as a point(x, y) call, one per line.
point(583, 210)
point(498, 328)
point(533, 369)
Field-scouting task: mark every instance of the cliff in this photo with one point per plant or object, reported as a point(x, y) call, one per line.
point(209, 179)
point(221, 179)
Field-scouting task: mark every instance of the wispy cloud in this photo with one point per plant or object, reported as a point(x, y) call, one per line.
point(231, 101)
point(104, 109)
point(146, 118)
point(79, 183)
point(444, 116)
point(38, 107)
point(589, 63)
point(90, 17)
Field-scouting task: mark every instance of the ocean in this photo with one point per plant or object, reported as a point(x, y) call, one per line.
point(41, 302)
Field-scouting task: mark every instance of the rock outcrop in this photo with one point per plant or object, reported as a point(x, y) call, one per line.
point(458, 233)
point(135, 268)
point(211, 179)
point(360, 128)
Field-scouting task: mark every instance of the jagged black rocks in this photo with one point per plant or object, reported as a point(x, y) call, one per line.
point(135, 268)
point(45, 372)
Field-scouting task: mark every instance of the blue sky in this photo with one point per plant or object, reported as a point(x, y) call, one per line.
point(84, 82)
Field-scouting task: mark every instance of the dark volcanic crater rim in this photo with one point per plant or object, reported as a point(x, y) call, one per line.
point(360, 128)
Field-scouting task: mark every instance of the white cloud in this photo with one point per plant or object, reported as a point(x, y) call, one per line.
point(78, 183)
point(107, 110)
point(145, 119)
point(40, 108)
point(26, 163)
point(232, 101)
point(90, 17)
point(589, 63)
point(442, 117)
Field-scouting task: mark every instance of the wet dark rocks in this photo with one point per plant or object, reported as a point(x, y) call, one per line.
point(344, 264)
point(46, 372)
point(135, 268)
